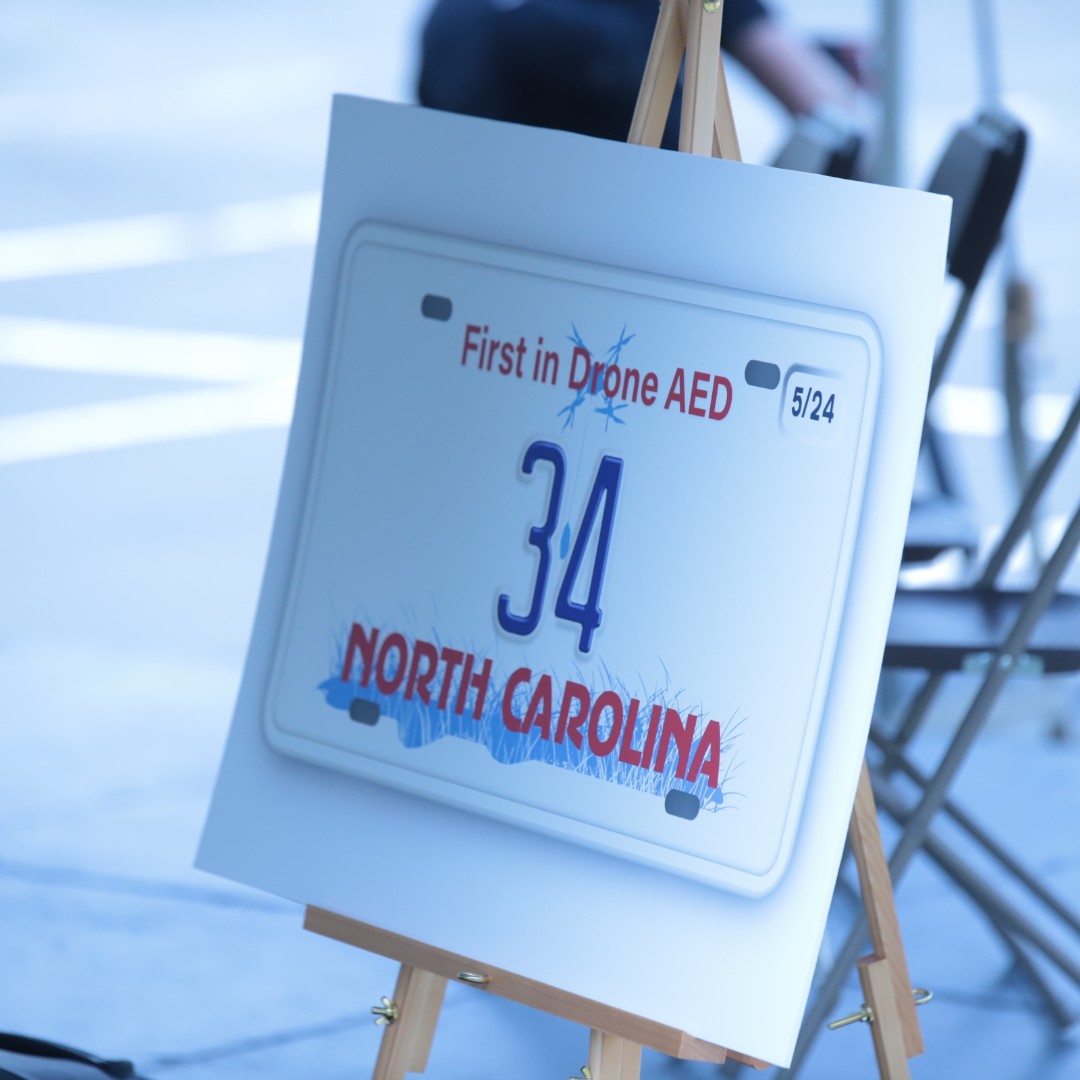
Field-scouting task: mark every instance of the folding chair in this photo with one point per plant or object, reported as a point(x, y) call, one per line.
point(979, 170)
point(996, 632)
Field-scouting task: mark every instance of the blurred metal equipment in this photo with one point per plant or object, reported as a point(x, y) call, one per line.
point(892, 28)
point(825, 143)
point(979, 170)
point(893, 39)
point(1019, 298)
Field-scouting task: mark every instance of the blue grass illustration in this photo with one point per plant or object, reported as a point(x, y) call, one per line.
point(419, 723)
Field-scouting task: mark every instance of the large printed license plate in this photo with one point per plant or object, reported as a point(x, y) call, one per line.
point(575, 547)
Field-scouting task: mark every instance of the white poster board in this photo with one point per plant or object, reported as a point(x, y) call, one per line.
point(583, 561)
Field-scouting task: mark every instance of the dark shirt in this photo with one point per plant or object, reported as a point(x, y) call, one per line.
point(575, 65)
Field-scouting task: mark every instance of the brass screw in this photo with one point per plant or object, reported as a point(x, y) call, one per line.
point(386, 1013)
point(710, 7)
point(473, 978)
point(864, 1016)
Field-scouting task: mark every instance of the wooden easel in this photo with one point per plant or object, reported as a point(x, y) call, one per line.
point(689, 28)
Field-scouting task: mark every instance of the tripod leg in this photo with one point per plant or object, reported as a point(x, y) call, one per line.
point(613, 1058)
point(661, 75)
point(725, 139)
point(880, 906)
point(886, 1025)
point(702, 80)
point(407, 1042)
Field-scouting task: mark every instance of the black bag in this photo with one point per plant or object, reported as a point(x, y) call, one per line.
point(23, 1058)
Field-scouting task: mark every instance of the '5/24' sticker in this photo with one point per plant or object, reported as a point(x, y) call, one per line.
point(812, 404)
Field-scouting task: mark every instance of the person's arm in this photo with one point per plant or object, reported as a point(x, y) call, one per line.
point(799, 75)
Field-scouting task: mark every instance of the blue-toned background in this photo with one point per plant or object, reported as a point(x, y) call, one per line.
point(160, 174)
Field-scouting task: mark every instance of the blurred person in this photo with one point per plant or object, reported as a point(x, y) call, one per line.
point(576, 65)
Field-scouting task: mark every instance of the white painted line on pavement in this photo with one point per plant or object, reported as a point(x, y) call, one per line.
point(979, 411)
point(969, 410)
point(1020, 570)
point(93, 348)
point(137, 100)
point(1044, 415)
point(139, 421)
point(241, 228)
point(951, 568)
point(263, 371)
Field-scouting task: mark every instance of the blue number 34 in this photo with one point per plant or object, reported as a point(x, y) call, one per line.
point(605, 489)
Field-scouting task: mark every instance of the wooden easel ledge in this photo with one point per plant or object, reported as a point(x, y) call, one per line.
point(550, 999)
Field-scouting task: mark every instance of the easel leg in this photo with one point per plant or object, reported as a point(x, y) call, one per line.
point(612, 1058)
point(661, 75)
point(703, 72)
point(725, 139)
point(407, 1041)
point(706, 125)
point(876, 977)
point(880, 906)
